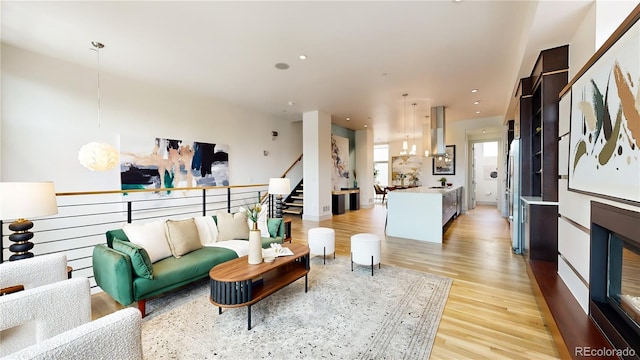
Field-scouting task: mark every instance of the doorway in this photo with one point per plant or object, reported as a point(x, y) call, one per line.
point(484, 173)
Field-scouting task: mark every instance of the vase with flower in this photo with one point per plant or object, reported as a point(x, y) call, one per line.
point(253, 213)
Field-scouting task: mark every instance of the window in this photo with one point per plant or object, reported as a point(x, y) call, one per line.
point(381, 164)
point(490, 148)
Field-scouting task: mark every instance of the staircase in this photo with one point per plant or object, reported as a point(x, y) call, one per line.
point(293, 204)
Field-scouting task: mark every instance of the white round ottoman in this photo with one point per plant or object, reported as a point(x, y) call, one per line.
point(365, 250)
point(322, 241)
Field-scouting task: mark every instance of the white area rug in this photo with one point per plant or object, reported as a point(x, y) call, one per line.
point(344, 315)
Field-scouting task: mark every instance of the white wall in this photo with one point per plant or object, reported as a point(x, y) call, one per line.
point(317, 165)
point(364, 166)
point(574, 208)
point(49, 110)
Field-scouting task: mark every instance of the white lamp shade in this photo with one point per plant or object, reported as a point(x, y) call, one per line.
point(27, 200)
point(279, 186)
point(98, 156)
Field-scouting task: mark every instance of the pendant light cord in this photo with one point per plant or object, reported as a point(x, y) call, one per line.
point(96, 47)
point(413, 129)
point(405, 115)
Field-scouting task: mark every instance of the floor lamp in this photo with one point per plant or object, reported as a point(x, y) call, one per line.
point(19, 200)
point(279, 187)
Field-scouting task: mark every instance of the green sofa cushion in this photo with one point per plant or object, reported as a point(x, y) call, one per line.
point(115, 234)
point(139, 258)
point(170, 272)
point(273, 225)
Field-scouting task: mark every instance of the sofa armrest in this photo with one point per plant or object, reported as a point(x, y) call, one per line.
point(115, 336)
point(113, 273)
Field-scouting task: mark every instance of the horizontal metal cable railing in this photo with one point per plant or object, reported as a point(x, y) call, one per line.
point(84, 217)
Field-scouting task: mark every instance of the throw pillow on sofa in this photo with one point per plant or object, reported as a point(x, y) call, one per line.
point(151, 236)
point(207, 230)
point(182, 236)
point(139, 257)
point(232, 226)
point(274, 226)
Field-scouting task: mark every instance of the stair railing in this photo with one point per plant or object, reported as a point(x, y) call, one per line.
point(269, 199)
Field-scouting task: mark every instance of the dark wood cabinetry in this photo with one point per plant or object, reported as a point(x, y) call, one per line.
point(539, 101)
point(539, 123)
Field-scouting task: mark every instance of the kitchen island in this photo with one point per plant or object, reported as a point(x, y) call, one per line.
point(420, 213)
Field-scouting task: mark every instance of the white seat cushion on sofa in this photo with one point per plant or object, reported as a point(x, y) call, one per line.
point(151, 236)
point(241, 247)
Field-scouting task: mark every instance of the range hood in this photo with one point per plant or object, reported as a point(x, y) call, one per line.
point(438, 146)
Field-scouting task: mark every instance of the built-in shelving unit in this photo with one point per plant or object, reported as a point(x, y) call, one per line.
point(539, 98)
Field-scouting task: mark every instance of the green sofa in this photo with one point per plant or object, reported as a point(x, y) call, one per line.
point(113, 270)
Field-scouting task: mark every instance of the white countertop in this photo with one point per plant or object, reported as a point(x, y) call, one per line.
point(425, 190)
point(536, 200)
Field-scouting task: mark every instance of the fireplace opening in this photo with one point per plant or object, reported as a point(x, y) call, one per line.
point(614, 276)
point(624, 280)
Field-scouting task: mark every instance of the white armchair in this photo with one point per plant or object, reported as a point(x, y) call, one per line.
point(54, 321)
point(34, 272)
point(115, 336)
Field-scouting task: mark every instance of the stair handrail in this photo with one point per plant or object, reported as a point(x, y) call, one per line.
point(263, 199)
point(292, 165)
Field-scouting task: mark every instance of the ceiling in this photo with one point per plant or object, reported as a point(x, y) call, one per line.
point(361, 56)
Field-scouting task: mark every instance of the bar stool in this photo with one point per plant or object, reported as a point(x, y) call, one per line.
point(365, 250)
point(322, 241)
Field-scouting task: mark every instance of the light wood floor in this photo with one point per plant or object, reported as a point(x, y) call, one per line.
point(491, 312)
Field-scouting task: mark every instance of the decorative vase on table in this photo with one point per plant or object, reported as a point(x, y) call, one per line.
point(255, 245)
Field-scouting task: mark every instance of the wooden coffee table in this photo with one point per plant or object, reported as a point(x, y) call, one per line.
point(236, 283)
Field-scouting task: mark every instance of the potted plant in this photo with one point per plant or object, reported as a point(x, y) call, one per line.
point(252, 213)
point(443, 181)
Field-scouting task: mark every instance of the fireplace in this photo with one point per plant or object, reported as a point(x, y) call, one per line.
point(614, 277)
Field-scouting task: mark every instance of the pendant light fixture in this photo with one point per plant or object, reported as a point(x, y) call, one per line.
point(426, 139)
point(413, 131)
point(97, 156)
point(405, 143)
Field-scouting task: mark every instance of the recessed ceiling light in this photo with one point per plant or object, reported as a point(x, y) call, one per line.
point(302, 57)
point(365, 125)
point(291, 103)
point(476, 102)
point(282, 66)
point(348, 118)
point(474, 90)
point(477, 112)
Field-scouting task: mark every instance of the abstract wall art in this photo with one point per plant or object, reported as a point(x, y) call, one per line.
point(340, 161)
point(445, 165)
point(604, 157)
point(170, 163)
point(406, 170)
